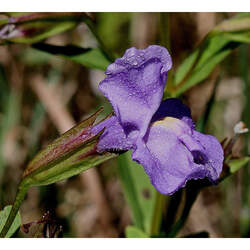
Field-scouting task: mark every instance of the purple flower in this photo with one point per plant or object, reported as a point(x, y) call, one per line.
point(161, 135)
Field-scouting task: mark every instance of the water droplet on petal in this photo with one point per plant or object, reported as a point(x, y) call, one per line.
point(135, 63)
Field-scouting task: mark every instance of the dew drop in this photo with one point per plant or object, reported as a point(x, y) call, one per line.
point(135, 63)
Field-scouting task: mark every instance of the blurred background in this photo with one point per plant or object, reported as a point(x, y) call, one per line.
point(42, 95)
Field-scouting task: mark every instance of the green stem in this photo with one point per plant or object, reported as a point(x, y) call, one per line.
point(191, 195)
point(157, 216)
point(165, 29)
point(21, 192)
point(106, 51)
point(166, 42)
point(201, 124)
point(172, 210)
point(130, 190)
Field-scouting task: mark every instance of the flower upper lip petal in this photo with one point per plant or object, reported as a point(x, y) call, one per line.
point(134, 58)
point(134, 86)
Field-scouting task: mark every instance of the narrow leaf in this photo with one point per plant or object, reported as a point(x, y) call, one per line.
point(3, 218)
point(140, 193)
point(217, 45)
point(35, 32)
point(89, 57)
point(237, 164)
point(34, 27)
point(134, 232)
point(235, 24)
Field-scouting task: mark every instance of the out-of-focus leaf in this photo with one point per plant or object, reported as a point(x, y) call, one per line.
point(34, 27)
point(9, 106)
point(111, 28)
point(237, 23)
point(35, 128)
point(4, 86)
point(89, 57)
point(3, 218)
point(140, 193)
point(237, 164)
point(192, 190)
point(35, 32)
point(130, 190)
point(203, 234)
point(134, 232)
point(72, 153)
point(34, 57)
point(236, 29)
point(218, 44)
point(202, 122)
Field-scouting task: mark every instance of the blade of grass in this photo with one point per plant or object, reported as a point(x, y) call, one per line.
point(218, 44)
point(140, 193)
point(130, 190)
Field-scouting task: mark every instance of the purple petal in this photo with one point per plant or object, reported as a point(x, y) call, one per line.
point(174, 107)
point(167, 161)
point(213, 153)
point(134, 85)
point(169, 157)
point(113, 137)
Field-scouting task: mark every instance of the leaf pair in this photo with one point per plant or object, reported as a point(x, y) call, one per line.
point(218, 44)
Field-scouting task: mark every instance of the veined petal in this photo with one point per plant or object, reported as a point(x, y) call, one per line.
point(134, 85)
point(213, 153)
point(172, 156)
point(165, 159)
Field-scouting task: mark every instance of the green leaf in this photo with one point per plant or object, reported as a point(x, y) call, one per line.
point(237, 23)
point(109, 26)
point(34, 27)
point(217, 45)
point(235, 29)
point(134, 232)
point(197, 67)
point(3, 218)
point(43, 30)
point(139, 192)
point(89, 57)
point(184, 68)
point(94, 58)
point(237, 164)
point(72, 153)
